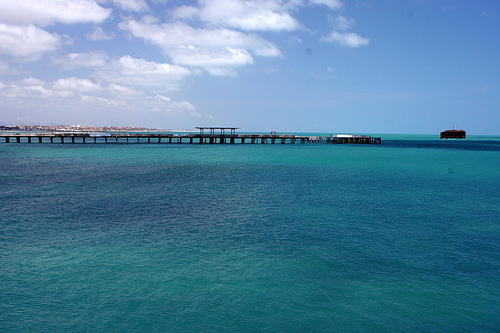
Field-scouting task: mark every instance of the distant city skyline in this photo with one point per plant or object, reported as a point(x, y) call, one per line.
point(326, 66)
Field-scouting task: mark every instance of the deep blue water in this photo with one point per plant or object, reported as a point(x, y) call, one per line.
point(402, 236)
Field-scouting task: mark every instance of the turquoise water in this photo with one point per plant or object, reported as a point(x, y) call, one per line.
point(402, 236)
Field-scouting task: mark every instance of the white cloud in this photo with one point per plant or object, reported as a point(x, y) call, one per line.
point(349, 39)
point(333, 4)
point(221, 71)
point(449, 9)
point(98, 34)
point(172, 35)
point(81, 96)
point(77, 85)
point(202, 47)
point(185, 12)
point(342, 23)
point(127, 71)
point(28, 43)
point(132, 5)
point(207, 57)
point(118, 90)
point(31, 81)
point(268, 15)
point(34, 88)
point(165, 101)
point(46, 12)
point(139, 72)
point(263, 15)
point(264, 20)
point(75, 60)
point(103, 100)
point(340, 35)
point(247, 15)
point(184, 105)
point(162, 98)
point(5, 69)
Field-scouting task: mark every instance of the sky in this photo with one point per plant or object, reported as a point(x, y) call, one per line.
point(324, 66)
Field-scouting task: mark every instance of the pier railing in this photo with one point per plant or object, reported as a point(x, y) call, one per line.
point(199, 138)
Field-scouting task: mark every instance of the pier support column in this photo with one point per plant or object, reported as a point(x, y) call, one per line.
point(18, 139)
point(39, 139)
point(83, 139)
point(242, 140)
point(51, 139)
point(7, 139)
point(95, 140)
point(29, 139)
point(72, 139)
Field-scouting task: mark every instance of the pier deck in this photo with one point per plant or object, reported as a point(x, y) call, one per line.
point(199, 138)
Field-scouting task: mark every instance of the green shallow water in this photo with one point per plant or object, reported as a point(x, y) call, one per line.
point(402, 236)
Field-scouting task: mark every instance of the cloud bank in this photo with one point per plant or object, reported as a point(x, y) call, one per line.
point(341, 36)
point(349, 39)
point(47, 12)
point(214, 37)
point(27, 43)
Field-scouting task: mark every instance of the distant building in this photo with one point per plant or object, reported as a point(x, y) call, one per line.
point(453, 134)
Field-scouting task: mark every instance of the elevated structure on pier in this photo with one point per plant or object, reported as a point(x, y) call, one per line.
point(221, 129)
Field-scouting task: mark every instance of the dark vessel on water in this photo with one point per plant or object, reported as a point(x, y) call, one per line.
point(453, 134)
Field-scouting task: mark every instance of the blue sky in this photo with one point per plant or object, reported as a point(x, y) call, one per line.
point(330, 66)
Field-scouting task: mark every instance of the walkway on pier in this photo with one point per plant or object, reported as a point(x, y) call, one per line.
point(199, 138)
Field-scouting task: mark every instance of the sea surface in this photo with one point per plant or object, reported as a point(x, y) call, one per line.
point(398, 237)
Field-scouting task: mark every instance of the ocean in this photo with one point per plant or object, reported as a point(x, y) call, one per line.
point(398, 237)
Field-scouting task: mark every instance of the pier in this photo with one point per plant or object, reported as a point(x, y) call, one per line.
point(215, 135)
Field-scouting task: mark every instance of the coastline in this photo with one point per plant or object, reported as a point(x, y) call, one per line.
point(80, 128)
